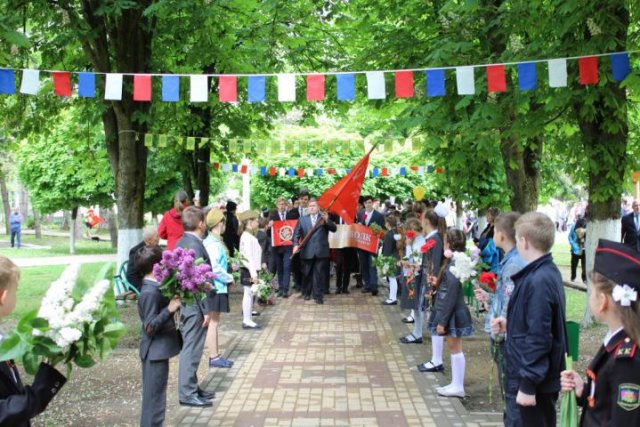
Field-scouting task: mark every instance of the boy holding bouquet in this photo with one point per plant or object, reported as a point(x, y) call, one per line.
point(20, 403)
point(160, 340)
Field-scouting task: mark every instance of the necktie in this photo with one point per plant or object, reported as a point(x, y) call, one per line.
point(281, 216)
point(313, 220)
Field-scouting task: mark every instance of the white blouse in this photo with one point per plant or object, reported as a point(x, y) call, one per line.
point(252, 252)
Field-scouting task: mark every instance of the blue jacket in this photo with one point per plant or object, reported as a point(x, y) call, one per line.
point(536, 339)
point(491, 256)
point(577, 247)
point(15, 219)
point(509, 266)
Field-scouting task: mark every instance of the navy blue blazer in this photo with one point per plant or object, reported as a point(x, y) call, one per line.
point(160, 340)
point(376, 218)
point(318, 245)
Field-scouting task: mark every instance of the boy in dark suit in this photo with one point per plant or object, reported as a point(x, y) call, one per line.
point(368, 217)
point(631, 227)
point(315, 253)
point(20, 403)
point(159, 341)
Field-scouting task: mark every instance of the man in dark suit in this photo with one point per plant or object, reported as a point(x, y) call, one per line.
point(149, 238)
point(230, 237)
point(19, 403)
point(297, 213)
point(315, 253)
point(282, 254)
point(194, 317)
point(369, 272)
point(159, 341)
point(631, 227)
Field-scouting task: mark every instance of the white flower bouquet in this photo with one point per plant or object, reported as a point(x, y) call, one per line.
point(386, 265)
point(65, 329)
point(463, 267)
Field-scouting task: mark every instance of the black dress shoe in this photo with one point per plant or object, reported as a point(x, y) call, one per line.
point(387, 302)
point(365, 291)
point(408, 319)
point(404, 340)
point(374, 293)
point(430, 367)
point(245, 326)
point(345, 291)
point(319, 301)
point(339, 291)
point(307, 297)
point(208, 395)
point(196, 402)
point(285, 295)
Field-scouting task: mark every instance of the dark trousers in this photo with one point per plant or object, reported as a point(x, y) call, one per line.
point(316, 277)
point(368, 270)
point(343, 271)
point(15, 236)
point(574, 265)
point(541, 415)
point(296, 269)
point(193, 337)
point(154, 392)
point(283, 268)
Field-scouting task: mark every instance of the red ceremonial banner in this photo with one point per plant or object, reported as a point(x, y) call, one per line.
point(142, 87)
point(404, 84)
point(315, 87)
point(282, 232)
point(228, 89)
point(588, 70)
point(496, 79)
point(354, 236)
point(62, 83)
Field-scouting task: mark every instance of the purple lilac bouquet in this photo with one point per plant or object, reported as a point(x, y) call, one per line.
point(179, 273)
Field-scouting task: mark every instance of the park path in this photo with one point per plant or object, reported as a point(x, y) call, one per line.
point(63, 260)
point(334, 364)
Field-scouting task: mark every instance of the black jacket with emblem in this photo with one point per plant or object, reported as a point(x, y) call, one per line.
point(20, 403)
point(614, 375)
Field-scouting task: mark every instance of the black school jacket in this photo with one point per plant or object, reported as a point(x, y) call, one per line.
point(20, 403)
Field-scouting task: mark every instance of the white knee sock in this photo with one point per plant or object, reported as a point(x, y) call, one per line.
point(393, 288)
point(437, 346)
point(413, 314)
point(247, 305)
point(457, 371)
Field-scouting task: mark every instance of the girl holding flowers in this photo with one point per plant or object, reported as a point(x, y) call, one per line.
point(450, 316)
point(251, 252)
point(411, 267)
point(391, 248)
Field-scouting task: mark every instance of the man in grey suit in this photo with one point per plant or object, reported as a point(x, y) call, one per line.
point(194, 318)
point(315, 253)
point(160, 340)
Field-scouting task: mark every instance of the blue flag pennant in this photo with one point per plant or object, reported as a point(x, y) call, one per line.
point(403, 171)
point(234, 168)
point(87, 85)
point(291, 172)
point(435, 83)
point(346, 87)
point(319, 171)
point(257, 88)
point(7, 82)
point(527, 78)
point(170, 88)
point(263, 170)
point(376, 172)
point(619, 66)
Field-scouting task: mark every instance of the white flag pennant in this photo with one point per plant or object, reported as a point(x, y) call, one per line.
point(421, 170)
point(113, 87)
point(286, 87)
point(465, 81)
point(30, 84)
point(199, 90)
point(308, 171)
point(282, 171)
point(557, 73)
point(375, 85)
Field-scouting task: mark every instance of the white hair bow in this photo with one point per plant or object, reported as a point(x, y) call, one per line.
point(441, 210)
point(624, 294)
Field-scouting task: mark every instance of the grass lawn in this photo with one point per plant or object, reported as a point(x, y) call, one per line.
point(59, 246)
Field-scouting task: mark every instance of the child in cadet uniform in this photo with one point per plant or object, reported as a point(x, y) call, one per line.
point(20, 403)
point(160, 339)
point(535, 343)
point(611, 396)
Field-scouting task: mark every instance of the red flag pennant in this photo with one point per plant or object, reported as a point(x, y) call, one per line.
point(216, 166)
point(496, 79)
point(142, 87)
point(331, 171)
point(342, 197)
point(273, 171)
point(228, 89)
point(439, 170)
point(588, 70)
point(244, 168)
point(315, 87)
point(300, 172)
point(414, 168)
point(62, 83)
point(404, 84)
point(384, 172)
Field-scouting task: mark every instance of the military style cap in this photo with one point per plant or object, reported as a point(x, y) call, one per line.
point(618, 263)
point(248, 215)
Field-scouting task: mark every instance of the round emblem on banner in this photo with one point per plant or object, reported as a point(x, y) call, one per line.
point(286, 233)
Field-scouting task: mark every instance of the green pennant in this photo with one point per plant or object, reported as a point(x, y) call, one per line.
point(338, 146)
point(360, 145)
point(148, 140)
point(162, 141)
point(330, 146)
point(388, 146)
point(246, 146)
point(288, 147)
point(233, 146)
point(204, 142)
point(180, 140)
point(304, 147)
point(191, 143)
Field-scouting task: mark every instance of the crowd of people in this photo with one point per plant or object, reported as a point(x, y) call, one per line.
point(525, 319)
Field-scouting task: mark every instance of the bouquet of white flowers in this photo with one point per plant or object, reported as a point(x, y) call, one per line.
point(65, 329)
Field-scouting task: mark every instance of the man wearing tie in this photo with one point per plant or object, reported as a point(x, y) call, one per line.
point(282, 254)
point(631, 227)
point(315, 253)
point(297, 213)
point(369, 272)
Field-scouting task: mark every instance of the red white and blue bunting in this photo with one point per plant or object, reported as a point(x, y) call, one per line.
point(83, 84)
point(308, 172)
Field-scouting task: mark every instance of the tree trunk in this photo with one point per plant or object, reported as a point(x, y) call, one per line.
point(36, 223)
point(113, 227)
point(6, 208)
point(522, 172)
point(72, 231)
point(203, 155)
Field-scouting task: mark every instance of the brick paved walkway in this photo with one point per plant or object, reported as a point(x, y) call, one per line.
point(322, 365)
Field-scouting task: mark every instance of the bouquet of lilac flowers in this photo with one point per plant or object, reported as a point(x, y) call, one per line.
point(180, 274)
